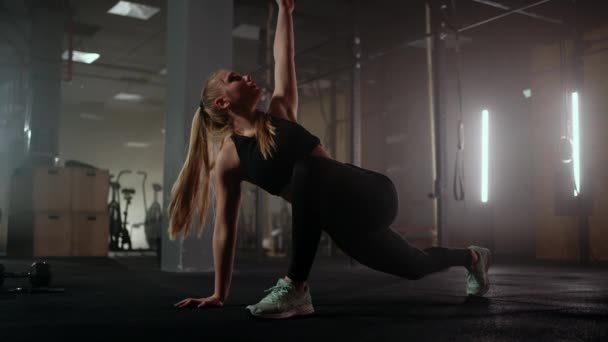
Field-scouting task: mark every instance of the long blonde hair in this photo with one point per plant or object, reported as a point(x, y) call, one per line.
point(211, 125)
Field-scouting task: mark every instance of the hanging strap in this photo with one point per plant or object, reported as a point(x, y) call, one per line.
point(459, 165)
point(458, 185)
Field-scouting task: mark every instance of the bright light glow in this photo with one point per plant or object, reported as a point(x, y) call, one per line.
point(127, 97)
point(485, 141)
point(133, 10)
point(576, 152)
point(81, 56)
point(527, 93)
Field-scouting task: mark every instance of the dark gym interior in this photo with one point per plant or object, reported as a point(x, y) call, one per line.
point(488, 116)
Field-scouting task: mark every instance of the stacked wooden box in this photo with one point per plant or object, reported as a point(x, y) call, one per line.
point(58, 211)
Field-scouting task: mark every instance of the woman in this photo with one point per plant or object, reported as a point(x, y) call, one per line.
point(355, 206)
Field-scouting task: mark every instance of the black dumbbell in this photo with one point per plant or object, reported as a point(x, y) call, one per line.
point(39, 274)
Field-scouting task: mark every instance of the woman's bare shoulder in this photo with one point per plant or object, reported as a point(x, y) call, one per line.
point(228, 160)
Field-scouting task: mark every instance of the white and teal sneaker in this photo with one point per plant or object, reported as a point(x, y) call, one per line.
point(283, 301)
point(478, 282)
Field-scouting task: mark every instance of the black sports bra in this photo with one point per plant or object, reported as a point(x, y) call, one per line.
point(293, 142)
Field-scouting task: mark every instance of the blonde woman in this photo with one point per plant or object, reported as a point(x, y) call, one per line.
point(270, 149)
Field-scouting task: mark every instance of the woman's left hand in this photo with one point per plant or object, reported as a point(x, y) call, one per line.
point(209, 302)
point(287, 4)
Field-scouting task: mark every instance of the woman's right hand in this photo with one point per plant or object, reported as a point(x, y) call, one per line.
point(208, 302)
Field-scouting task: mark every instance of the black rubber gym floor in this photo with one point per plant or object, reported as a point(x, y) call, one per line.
point(119, 299)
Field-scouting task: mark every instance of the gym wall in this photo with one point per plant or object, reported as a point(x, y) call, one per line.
point(558, 231)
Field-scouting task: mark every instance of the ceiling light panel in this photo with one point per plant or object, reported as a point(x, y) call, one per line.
point(81, 56)
point(133, 10)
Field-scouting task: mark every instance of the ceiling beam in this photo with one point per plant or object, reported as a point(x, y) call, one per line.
point(522, 12)
point(500, 16)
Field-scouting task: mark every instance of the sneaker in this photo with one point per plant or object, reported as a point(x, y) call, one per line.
point(478, 282)
point(283, 301)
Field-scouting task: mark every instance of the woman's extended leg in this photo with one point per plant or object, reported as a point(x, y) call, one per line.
point(386, 251)
point(366, 204)
point(356, 206)
point(361, 228)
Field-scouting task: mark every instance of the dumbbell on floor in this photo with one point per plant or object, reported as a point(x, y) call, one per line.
point(39, 274)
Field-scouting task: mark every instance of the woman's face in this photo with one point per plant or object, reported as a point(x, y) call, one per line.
point(241, 90)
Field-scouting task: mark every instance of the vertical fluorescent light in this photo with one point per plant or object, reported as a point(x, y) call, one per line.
point(576, 152)
point(485, 140)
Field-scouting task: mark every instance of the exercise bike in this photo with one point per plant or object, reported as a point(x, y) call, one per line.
point(125, 236)
point(154, 220)
point(119, 236)
point(152, 215)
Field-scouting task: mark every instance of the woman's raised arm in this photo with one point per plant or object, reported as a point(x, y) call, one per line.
point(285, 96)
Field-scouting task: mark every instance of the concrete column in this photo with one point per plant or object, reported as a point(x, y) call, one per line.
point(45, 80)
point(199, 42)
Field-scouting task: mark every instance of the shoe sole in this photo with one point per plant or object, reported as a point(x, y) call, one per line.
point(304, 310)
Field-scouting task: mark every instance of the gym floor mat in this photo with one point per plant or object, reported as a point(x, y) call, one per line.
point(130, 298)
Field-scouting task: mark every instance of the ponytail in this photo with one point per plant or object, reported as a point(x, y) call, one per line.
point(185, 194)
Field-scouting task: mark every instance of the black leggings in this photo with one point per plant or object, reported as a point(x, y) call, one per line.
point(356, 207)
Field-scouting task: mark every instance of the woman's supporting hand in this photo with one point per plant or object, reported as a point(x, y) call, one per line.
point(209, 302)
point(287, 4)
